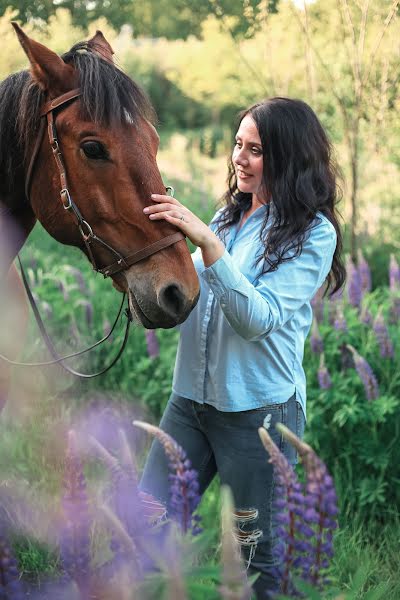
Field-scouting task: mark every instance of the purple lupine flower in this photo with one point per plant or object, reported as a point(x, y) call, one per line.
point(354, 291)
point(321, 516)
point(394, 309)
point(382, 336)
point(75, 529)
point(366, 374)
point(153, 348)
point(394, 274)
point(10, 582)
point(63, 290)
point(366, 316)
point(185, 496)
point(77, 275)
point(317, 507)
point(290, 505)
point(317, 304)
point(364, 273)
point(234, 584)
point(316, 342)
point(324, 379)
point(340, 323)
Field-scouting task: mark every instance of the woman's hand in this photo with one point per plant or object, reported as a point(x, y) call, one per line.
point(169, 209)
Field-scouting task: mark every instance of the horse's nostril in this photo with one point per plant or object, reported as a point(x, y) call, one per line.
point(172, 299)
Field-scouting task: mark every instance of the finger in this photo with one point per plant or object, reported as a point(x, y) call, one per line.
point(168, 215)
point(164, 198)
point(158, 207)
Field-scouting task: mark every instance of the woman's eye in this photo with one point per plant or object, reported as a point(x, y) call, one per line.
point(94, 150)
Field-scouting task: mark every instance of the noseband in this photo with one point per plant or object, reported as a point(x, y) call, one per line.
point(88, 236)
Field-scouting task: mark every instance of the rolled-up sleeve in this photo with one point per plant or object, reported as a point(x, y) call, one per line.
point(255, 310)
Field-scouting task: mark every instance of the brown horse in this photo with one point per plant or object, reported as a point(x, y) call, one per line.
point(89, 177)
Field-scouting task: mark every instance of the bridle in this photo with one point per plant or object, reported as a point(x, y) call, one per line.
point(88, 236)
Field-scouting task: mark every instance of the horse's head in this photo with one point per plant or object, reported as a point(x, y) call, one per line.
point(108, 149)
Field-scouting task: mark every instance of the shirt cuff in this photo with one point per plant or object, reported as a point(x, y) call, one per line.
point(223, 275)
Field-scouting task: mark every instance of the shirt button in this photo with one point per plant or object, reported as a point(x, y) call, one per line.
point(212, 278)
point(223, 304)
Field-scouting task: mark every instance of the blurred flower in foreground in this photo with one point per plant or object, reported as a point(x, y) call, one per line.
point(366, 374)
point(10, 583)
point(234, 585)
point(75, 530)
point(306, 513)
point(184, 491)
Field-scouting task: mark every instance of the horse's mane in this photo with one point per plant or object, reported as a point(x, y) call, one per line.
point(108, 96)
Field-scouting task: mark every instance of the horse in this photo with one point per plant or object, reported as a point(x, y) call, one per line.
point(89, 177)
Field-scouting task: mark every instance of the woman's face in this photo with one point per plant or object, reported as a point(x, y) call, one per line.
point(247, 157)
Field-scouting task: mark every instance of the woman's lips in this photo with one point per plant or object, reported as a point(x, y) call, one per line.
point(243, 175)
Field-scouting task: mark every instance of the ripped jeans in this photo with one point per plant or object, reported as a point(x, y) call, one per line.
point(228, 443)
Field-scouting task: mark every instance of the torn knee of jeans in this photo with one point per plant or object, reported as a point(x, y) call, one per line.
point(245, 515)
point(154, 511)
point(248, 539)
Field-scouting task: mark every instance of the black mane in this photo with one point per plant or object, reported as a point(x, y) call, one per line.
point(108, 96)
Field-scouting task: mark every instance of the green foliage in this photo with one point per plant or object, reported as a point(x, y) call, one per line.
point(358, 440)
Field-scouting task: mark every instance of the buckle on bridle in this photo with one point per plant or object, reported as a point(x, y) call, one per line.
point(66, 199)
point(89, 233)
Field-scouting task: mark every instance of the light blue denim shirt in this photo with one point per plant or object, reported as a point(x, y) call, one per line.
point(242, 346)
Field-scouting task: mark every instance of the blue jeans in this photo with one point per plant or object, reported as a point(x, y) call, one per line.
point(228, 443)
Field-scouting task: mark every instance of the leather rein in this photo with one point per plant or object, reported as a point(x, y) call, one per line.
point(88, 236)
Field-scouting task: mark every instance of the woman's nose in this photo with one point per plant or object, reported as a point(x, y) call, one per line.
point(240, 159)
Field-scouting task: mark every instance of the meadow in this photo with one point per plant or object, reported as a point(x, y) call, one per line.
point(343, 59)
point(353, 406)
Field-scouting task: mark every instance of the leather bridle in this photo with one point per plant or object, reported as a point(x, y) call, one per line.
point(88, 235)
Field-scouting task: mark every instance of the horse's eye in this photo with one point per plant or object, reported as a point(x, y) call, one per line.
point(94, 150)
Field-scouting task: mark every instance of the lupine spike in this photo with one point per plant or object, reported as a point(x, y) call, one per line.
point(316, 342)
point(364, 272)
point(153, 347)
point(10, 582)
point(75, 535)
point(234, 584)
point(185, 497)
point(365, 315)
point(354, 290)
point(324, 378)
point(322, 513)
point(291, 506)
point(366, 374)
point(340, 323)
point(382, 336)
point(394, 310)
point(317, 304)
point(394, 274)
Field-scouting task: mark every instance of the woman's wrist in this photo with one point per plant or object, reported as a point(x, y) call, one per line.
point(211, 251)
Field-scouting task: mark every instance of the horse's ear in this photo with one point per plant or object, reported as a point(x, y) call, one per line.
point(48, 69)
point(100, 45)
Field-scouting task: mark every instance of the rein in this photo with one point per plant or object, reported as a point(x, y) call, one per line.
point(88, 236)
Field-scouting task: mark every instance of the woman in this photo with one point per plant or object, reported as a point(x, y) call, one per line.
point(275, 242)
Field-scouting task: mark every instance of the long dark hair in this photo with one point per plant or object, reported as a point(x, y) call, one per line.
point(300, 176)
